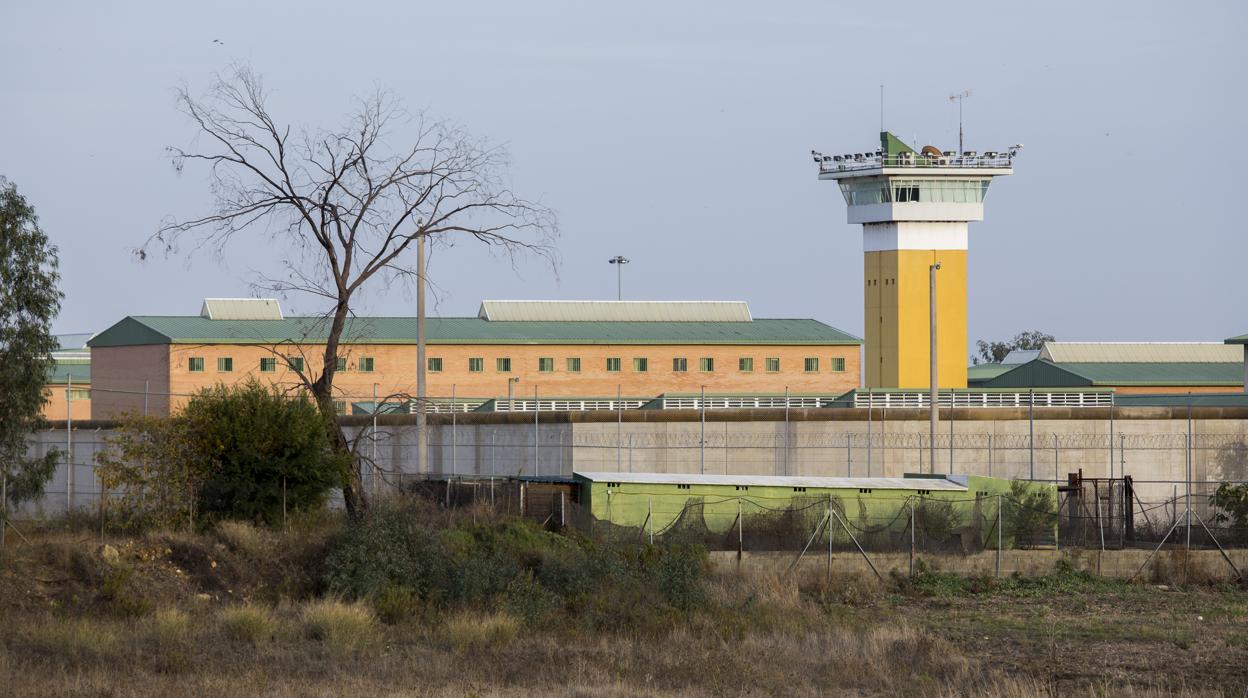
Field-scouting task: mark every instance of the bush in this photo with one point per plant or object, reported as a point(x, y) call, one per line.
point(250, 624)
point(239, 452)
point(340, 625)
point(75, 639)
point(260, 450)
point(169, 626)
point(387, 548)
point(1030, 514)
point(244, 539)
point(513, 565)
point(473, 630)
point(394, 604)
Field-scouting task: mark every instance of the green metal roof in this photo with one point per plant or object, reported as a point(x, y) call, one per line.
point(981, 373)
point(1041, 373)
point(151, 329)
point(1241, 339)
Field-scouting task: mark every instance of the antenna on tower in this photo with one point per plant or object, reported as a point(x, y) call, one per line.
point(881, 109)
point(958, 98)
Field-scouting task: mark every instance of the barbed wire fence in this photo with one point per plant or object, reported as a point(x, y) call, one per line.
point(1171, 471)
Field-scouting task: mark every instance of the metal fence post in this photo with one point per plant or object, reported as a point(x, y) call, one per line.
point(702, 404)
point(4, 505)
point(740, 531)
point(619, 426)
point(537, 410)
point(869, 410)
point(786, 430)
point(650, 517)
point(454, 435)
point(1031, 433)
point(849, 454)
point(374, 435)
point(912, 536)
point(999, 518)
point(829, 537)
point(69, 447)
point(990, 455)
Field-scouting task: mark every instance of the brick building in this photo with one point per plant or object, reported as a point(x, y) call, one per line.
point(565, 349)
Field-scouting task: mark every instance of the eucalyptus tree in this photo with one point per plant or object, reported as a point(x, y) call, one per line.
point(29, 300)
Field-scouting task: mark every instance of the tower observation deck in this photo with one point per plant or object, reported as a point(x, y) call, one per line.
point(914, 207)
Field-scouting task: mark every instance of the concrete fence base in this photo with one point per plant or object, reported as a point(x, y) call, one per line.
point(1166, 567)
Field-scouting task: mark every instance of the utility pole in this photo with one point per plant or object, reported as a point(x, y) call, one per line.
point(934, 395)
point(619, 261)
point(422, 436)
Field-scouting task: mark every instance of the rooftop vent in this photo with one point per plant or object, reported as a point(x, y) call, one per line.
point(615, 311)
point(241, 309)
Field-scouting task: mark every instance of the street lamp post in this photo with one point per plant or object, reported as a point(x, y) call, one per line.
point(934, 394)
point(619, 261)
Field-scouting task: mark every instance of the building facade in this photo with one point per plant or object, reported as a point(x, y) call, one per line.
point(637, 350)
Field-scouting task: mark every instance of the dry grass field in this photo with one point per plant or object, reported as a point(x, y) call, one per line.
point(240, 611)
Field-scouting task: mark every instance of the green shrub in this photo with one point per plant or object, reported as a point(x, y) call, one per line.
point(240, 452)
point(1030, 514)
point(260, 450)
point(389, 547)
point(120, 593)
point(395, 604)
point(530, 601)
point(679, 573)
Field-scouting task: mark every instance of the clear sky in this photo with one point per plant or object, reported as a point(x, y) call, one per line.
point(678, 134)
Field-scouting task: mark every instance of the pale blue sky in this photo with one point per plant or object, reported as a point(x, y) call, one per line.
point(678, 134)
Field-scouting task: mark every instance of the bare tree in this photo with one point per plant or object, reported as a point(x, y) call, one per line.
point(351, 210)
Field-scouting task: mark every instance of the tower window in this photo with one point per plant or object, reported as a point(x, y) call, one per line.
point(476, 364)
point(546, 364)
point(641, 365)
point(811, 364)
point(706, 364)
point(773, 364)
point(434, 364)
point(838, 364)
point(680, 365)
point(745, 364)
point(613, 364)
point(502, 365)
point(574, 364)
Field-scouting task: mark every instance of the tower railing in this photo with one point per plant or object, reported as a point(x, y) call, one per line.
point(870, 161)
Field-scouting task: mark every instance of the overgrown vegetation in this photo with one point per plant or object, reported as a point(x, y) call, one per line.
point(403, 557)
point(1031, 515)
point(244, 452)
point(1232, 503)
point(465, 603)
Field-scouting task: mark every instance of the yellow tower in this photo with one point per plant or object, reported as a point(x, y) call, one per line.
point(914, 208)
